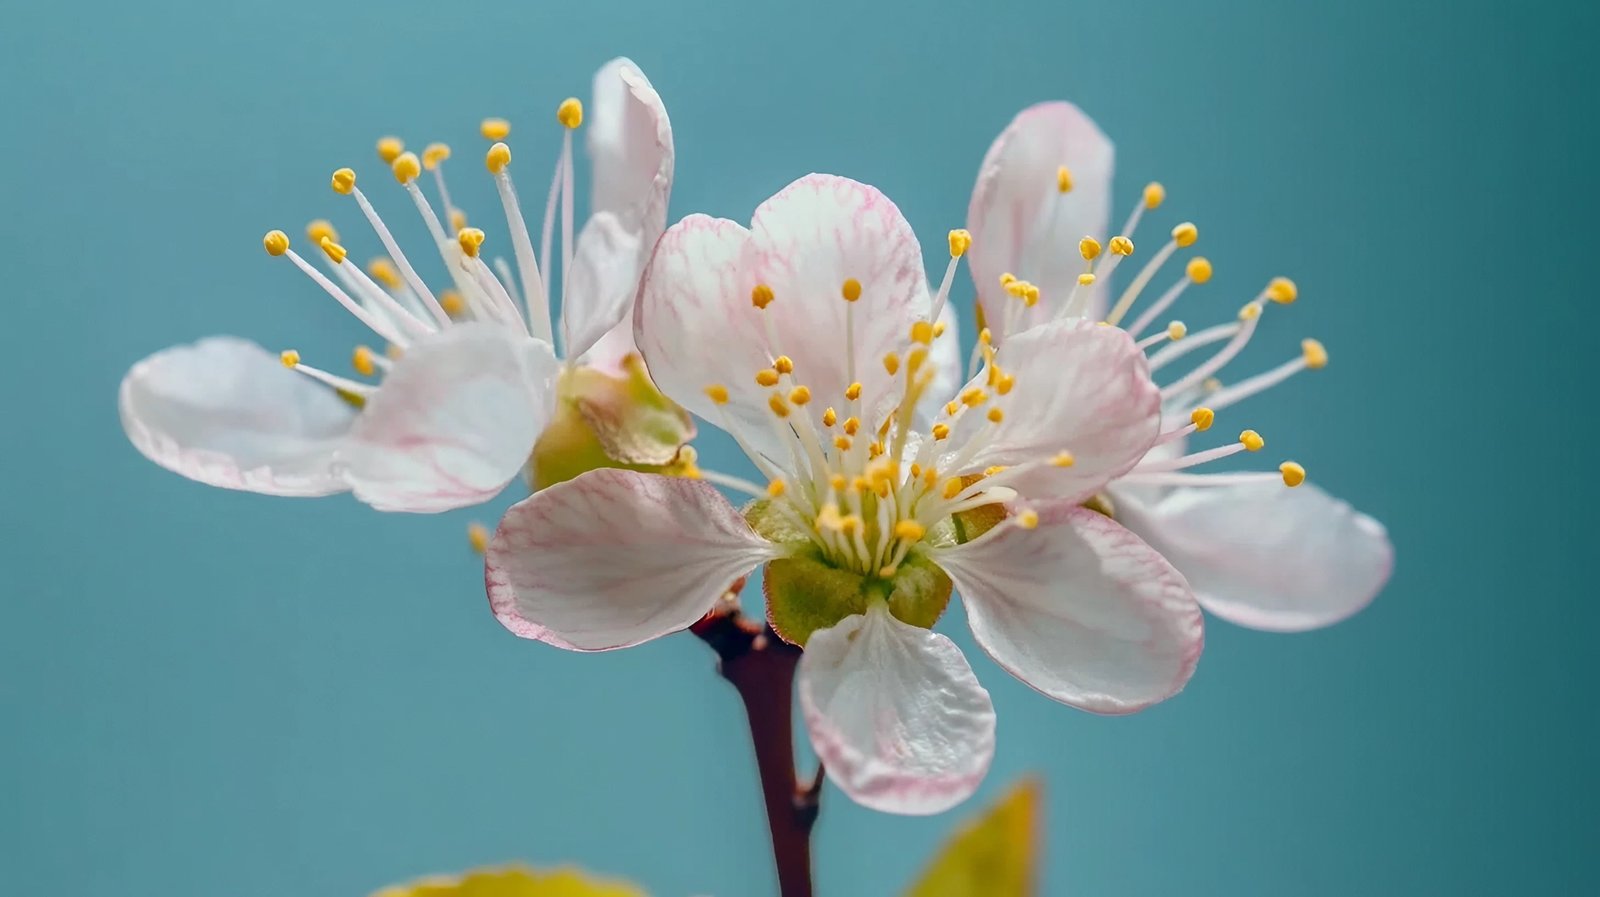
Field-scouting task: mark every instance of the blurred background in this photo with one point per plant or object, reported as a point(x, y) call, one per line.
point(207, 693)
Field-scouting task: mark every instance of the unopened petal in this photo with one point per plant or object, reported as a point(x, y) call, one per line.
point(615, 557)
point(895, 714)
point(226, 412)
point(455, 420)
point(605, 277)
point(1266, 556)
point(1080, 609)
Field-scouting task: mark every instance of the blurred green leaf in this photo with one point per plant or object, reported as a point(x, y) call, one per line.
point(514, 881)
point(993, 855)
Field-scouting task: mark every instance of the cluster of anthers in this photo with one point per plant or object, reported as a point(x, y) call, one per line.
point(394, 301)
point(867, 484)
point(1172, 343)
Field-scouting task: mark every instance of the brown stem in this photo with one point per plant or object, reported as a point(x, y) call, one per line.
point(761, 667)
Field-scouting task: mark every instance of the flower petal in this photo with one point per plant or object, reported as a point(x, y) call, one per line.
point(1079, 609)
point(895, 714)
point(630, 147)
point(454, 421)
point(1266, 556)
point(805, 242)
point(226, 412)
point(690, 300)
point(615, 557)
point(605, 277)
point(1022, 223)
point(1080, 388)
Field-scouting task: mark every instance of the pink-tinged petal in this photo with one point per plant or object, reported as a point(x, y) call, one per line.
point(1079, 387)
point(605, 277)
point(1079, 609)
point(805, 242)
point(695, 326)
point(226, 412)
point(615, 557)
point(454, 421)
point(1022, 223)
point(895, 714)
point(1266, 556)
point(630, 147)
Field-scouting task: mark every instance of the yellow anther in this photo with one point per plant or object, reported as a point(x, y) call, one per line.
point(276, 242)
point(761, 296)
point(1316, 357)
point(767, 377)
point(497, 158)
point(915, 360)
point(1085, 279)
point(1154, 195)
point(778, 405)
point(837, 482)
point(470, 239)
point(891, 363)
point(570, 113)
point(916, 470)
point(800, 395)
point(1016, 288)
point(829, 417)
point(1250, 311)
point(289, 357)
point(1251, 440)
point(994, 469)
point(909, 530)
point(384, 272)
point(389, 148)
point(1028, 518)
point(1063, 459)
point(777, 488)
point(478, 537)
point(851, 290)
point(1198, 270)
point(1282, 290)
point(875, 449)
point(335, 252)
point(852, 425)
point(361, 360)
point(849, 524)
point(717, 393)
point(494, 129)
point(960, 242)
point(842, 443)
point(1202, 418)
point(973, 396)
point(452, 303)
point(1089, 248)
point(996, 415)
point(1007, 278)
point(860, 484)
point(853, 391)
point(406, 167)
point(1121, 246)
point(1177, 330)
point(985, 336)
point(953, 487)
point(344, 181)
point(783, 364)
point(1004, 383)
point(1063, 179)
point(1030, 295)
point(922, 332)
point(938, 329)
point(941, 431)
point(951, 408)
point(1185, 234)
point(458, 220)
point(1293, 474)
point(320, 228)
point(433, 154)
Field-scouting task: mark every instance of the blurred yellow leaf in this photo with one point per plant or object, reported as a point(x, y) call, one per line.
point(994, 855)
point(514, 881)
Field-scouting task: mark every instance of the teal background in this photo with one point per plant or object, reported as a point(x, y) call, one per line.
point(210, 693)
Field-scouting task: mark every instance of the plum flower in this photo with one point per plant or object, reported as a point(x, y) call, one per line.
point(473, 379)
point(514, 881)
point(1256, 554)
point(825, 334)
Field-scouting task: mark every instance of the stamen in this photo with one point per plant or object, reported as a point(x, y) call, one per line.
point(277, 244)
point(1293, 474)
point(534, 294)
point(495, 129)
point(1175, 331)
point(1198, 270)
point(1182, 236)
point(1313, 356)
point(1282, 290)
point(291, 360)
point(478, 537)
point(344, 182)
point(389, 148)
point(1154, 194)
point(1249, 317)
